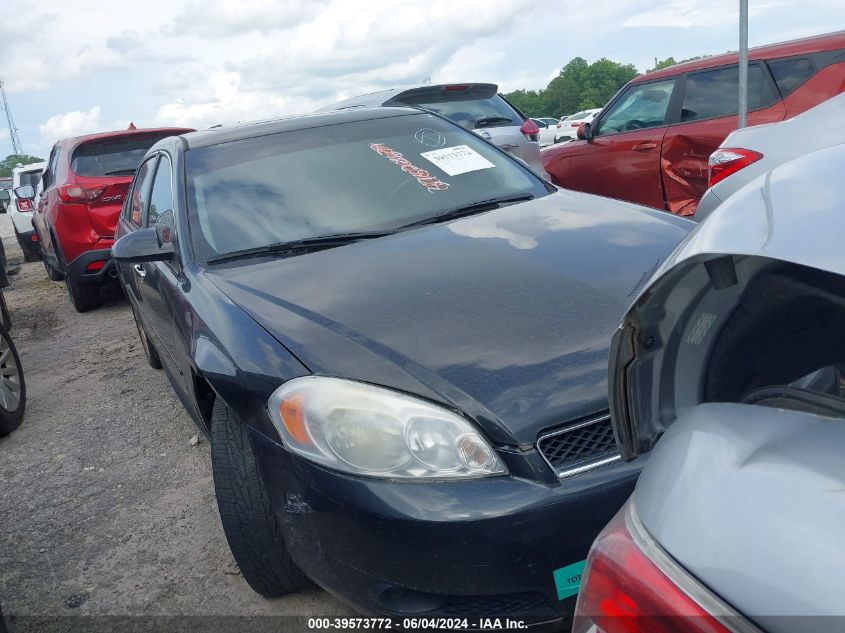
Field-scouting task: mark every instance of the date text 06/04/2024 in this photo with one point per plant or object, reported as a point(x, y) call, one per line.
point(425, 624)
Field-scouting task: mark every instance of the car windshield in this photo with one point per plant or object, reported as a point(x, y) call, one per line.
point(114, 156)
point(363, 176)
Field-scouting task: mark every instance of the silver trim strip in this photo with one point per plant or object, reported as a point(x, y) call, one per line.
point(589, 463)
point(707, 600)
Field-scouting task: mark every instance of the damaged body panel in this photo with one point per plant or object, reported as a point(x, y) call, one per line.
point(746, 253)
point(728, 372)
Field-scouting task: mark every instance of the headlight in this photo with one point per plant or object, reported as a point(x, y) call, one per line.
point(369, 430)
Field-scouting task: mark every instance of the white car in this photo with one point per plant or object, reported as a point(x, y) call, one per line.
point(475, 106)
point(568, 128)
point(548, 129)
point(20, 209)
point(752, 151)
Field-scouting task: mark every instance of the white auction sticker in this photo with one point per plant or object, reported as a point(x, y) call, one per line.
point(456, 160)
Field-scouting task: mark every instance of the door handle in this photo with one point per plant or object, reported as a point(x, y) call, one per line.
point(644, 147)
point(139, 270)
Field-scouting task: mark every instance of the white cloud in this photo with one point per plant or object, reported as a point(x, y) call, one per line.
point(4, 133)
point(225, 102)
point(224, 17)
point(70, 124)
point(685, 14)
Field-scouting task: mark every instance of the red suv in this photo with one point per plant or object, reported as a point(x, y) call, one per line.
point(83, 188)
point(651, 143)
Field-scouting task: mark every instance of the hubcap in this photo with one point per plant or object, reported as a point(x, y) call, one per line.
point(10, 378)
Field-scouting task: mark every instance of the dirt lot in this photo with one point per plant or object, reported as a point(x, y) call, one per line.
point(106, 508)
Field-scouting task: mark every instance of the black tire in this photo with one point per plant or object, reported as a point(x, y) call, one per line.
point(52, 273)
point(5, 317)
point(84, 297)
point(149, 349)
point(10, 372)
point(252, 529)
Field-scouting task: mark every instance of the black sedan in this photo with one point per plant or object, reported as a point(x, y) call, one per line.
point(396, 336)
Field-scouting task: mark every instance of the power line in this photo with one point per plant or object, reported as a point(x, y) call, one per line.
point(10, 121)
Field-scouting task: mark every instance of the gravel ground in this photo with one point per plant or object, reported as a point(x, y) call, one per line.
point(106, 509)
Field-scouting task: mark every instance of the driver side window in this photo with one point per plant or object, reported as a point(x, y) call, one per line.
point(642, 106)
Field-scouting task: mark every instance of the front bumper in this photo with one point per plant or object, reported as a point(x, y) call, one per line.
point(475, 548)
point(83, 268)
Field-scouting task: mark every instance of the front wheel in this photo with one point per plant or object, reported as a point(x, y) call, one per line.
point(12, 387)
point(252, 528)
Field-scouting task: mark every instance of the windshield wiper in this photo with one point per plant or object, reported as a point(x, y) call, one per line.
point(469, 209)
point(120, 172)
point(492, 120)
point(321, 241)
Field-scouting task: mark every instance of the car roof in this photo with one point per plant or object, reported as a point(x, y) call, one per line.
point(30, 167)
point(218, 135)
point(75, 141)
point(376, 99)
point(804, 46)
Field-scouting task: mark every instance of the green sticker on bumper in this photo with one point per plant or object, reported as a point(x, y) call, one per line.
point(568, 579)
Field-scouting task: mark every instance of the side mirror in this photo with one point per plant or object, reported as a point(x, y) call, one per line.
point(141, 246)
point(26, 192)
point(585, 132)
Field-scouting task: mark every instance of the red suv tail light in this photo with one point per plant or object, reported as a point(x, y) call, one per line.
point(727, 160)
point(23, 204)
point(77, 193)
point(630, 584)
point(530, 130)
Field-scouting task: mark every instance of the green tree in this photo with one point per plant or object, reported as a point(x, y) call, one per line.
point(578, 86)
point(670, 61)
point(11, 161)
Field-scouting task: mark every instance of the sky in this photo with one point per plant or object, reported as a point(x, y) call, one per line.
point(74, 68)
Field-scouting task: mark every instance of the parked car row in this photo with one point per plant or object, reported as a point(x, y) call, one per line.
point(402, 364)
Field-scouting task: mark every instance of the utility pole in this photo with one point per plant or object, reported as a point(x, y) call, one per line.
point(13, 131)
point(743, 62)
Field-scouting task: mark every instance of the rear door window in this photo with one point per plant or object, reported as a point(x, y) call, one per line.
point(641, 106)
point(161, 197)
point(715, 93)
point(791, 73)
point(140, 191)
point(114, 156)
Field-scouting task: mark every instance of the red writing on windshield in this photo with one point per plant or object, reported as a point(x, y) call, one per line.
point(432, 183)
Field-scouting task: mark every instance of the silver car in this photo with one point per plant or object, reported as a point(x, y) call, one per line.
point(751, 151)
point(727, 371)
point(475, 106)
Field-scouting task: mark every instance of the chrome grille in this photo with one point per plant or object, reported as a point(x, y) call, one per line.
point(579, 447)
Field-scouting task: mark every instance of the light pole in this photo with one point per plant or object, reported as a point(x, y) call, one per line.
point(743, 62)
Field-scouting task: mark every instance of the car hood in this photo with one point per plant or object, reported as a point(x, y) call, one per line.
point(506, 315)
point(749, 500)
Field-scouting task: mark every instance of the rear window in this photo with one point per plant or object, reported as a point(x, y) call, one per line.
point(30, 178)
point(361, 176)
point(113, 156)
point(715, 93)
point(472, 113)
point(791, 73)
